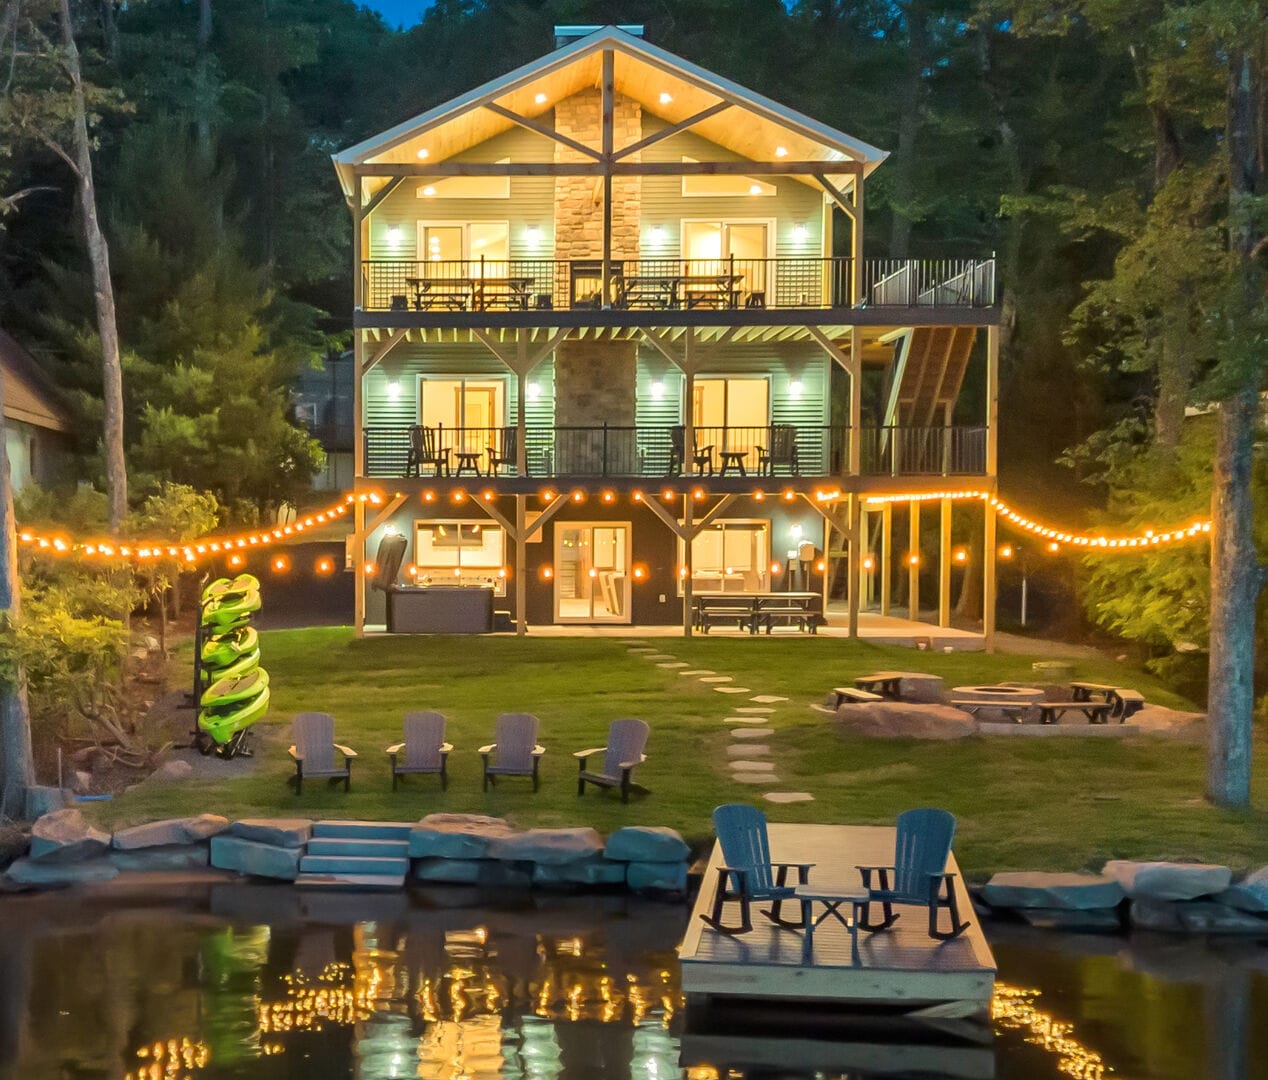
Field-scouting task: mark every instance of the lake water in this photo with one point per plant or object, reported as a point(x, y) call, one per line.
point(265, 983)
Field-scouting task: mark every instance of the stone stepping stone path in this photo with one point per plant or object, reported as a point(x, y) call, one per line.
point(717, 678)
point(755, 778)
point(658, 656)
point(788, 796)
point(637, 649)
point(768, 699)
point(698, 671)
point(753, 709)
point(747, 750)
point(745, 720)
point(731, 690)
point(752, 733)
point(672, 664)
point(753, 766)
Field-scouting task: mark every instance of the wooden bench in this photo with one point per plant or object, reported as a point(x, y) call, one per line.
point(767, 616)
point(1083, 691)
point(1013, 710)
point(1125, 703)
point(709, 614)
point(1097, 712)
point(848, 694)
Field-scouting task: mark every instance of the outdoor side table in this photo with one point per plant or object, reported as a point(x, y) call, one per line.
point(833, 899)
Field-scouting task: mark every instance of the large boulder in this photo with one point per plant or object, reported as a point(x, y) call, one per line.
point(176, 769)
point(1168, 880)
point(253, 858)
point(919, 688)
point(657, 878)
point(31, 873)
point(1249, 894)
point(902, 720)
point(186, 830)
point(1195, 917)
point(65, 836)
point(646, 843)
point(456, 836)
point(278, 832)
point(195, 856)
point(1069, 892)
point(1072, 919)
point(548, 847)
point(593, 871)
point(486, 872)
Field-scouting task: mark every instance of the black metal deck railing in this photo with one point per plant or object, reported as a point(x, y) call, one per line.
point(650, 452)
point(672, 284)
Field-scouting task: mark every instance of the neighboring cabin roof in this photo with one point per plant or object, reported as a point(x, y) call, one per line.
point(642, 71)
point(28, 393)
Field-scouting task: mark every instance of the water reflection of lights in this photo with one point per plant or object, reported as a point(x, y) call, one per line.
point(174, 1059)
point(334, 996)
point(1013, 1008)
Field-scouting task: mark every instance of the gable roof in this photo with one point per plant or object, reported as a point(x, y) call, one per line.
point(664, 84)
point(28, 392)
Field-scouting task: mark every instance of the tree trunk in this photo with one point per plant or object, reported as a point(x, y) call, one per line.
point(103, 290)
point(1175, 379)
point(17, 768)
point(1235, 573)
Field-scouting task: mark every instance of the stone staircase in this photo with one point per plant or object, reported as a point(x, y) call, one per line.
point(356, 855)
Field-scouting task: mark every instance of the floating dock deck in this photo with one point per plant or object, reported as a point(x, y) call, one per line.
point(900, 968)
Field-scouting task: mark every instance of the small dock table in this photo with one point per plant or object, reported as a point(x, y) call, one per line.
point(732, 459)
point(833, 898)
point(1083, 691)
point(886, 683)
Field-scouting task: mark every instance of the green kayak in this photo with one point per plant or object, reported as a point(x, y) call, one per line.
point(224, 587)
point(235, 689)
point(224, 722)
point(224, 649)
point(230, 611)
point(244, 664)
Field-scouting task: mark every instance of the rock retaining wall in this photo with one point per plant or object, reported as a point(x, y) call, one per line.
point(462, 849)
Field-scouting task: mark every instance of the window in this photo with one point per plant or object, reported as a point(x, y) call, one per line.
point(708, 185)
point(732, 415)
point(467, 187)
point(730, 556)
point(459, 553)
point(467, 412)
point(732, 247)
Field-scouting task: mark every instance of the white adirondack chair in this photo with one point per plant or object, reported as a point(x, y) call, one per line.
point(516, 749)
point(314, 750)
point(424, 748)
point(624, 752)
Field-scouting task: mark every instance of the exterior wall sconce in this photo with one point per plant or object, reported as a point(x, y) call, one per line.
point(795, 389)
point(533, 391)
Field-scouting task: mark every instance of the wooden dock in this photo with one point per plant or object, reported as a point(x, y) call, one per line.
point(901, 968)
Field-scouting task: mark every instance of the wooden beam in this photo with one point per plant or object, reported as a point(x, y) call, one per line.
point(389, 508)
point(507, 356)
point(545, 349)
point(542, 129)
point(491, 509)
point(607, 121)
point(443, 169)
point(381, 194)
point(854, 464)
point(913, 569)
point(547, 515)
point(944, 564)
point(673, 129)
point(393, 340)
point(988, 576)
point(887, 555)
point(657, 341)
point(830, 347)
point(667, 519)
point(854, 563)
point(992, 400)
point(711, 514)
point(836, 195)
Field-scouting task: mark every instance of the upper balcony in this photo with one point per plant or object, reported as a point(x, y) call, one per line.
point(527, 291)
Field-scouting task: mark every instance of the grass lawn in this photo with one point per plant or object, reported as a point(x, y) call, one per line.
point(1022, 803)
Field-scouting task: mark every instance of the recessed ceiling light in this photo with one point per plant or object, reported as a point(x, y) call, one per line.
point(423, 154)
point(755, 189)
point(781, 151)
point(540, 99)
point(429, 191)
point(666, 97)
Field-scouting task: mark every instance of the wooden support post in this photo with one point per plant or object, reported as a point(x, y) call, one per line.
point(856, 401)
point(944, 564)
point(357, 546)
point(608, 109)
point(521, 406)
point(913, 560)
point(988, 578)
point(992, 401)
point(688, 395)
point(521, 559)
point(887, 555)
point(856, 242)
point(854, 562)
point(688, 564)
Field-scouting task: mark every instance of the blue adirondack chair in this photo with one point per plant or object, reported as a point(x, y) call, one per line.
point(919, 873)
point(747, 873)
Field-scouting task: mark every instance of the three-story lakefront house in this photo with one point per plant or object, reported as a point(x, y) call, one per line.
point(618, 347)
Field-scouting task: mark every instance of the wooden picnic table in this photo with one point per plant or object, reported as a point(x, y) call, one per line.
point(509, 292)
point(756, 610)
point(887, 683)
point(446, 293)
point(1083, 691)
point(476, 293)
point(710, 290)
point(649, 291)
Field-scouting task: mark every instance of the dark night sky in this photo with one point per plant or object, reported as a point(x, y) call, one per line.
point(399, 12)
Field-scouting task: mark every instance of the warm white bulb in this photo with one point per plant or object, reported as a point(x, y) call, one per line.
point(800, 233)
point(781, 151)
point(532, 236)
point(534, 391)
point(394, 237)
point(424, 154)
point(658, 391)
point(656, 234)
point(429, 191)
point(393, 390)
point(755, 189)
point(540, 99)
point(795, 389)
point(666, 97)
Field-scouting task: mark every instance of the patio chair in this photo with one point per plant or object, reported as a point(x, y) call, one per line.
point(516, 749)
point(919, 871)
point(506, 455)
point(623, 753)
point(314, 750)
point(701, 456)
point(781, 452)
point(424, 748)
point(747, 873)
point(425, 449)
